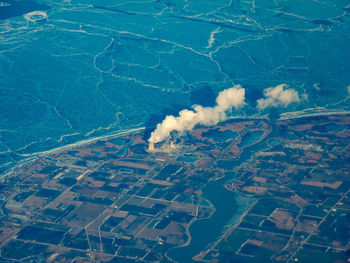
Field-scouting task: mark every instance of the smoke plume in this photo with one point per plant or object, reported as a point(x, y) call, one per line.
point(278, 96)
point(188, 119)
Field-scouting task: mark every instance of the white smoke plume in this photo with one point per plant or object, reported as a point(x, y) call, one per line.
point(188, 119)
point(278, 96)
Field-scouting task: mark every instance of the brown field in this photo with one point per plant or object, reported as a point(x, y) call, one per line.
point(121, 214)
point(161, 182)
point(301, 127)
point(235, 150)
point(138, 140)
point(282, 219)
point(254, 189)
point(6, 231)
point(132, 165)
point(237, 127)
point(259, 179)
point(110, 145)
point(298, 200)
point(334, 185)
point(255, 242)
point(313, 155)
point(94, 183)
point(307, 226)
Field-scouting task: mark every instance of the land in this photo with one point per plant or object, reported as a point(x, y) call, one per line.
point(113, 201)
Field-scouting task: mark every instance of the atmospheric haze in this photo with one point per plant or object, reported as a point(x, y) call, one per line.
point(208, 116)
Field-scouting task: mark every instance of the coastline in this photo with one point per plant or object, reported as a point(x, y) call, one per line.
point(305, 113)
point(28, 158)
point(309, 112)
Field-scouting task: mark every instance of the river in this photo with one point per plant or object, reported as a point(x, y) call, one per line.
point(229, 207)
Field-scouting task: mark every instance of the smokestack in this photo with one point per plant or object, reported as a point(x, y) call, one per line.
point(208, 116)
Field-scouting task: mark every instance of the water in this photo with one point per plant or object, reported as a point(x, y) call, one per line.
point(229, 207)
point(98, 67)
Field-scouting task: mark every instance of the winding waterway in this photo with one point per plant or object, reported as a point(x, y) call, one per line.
point(229, 207)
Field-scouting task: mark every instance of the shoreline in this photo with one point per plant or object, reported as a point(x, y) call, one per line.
point(27, 158)
point(305, 113)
